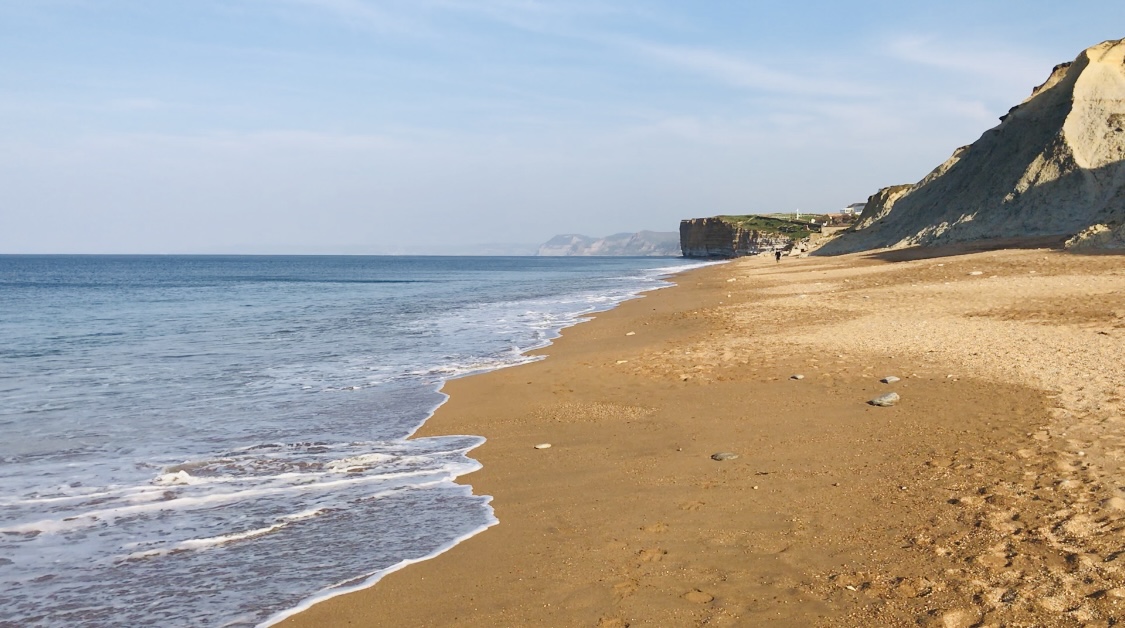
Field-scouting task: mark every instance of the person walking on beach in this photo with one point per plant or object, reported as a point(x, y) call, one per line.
point(777, 256)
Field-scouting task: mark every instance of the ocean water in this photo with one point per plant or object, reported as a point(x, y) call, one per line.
point(217, 441)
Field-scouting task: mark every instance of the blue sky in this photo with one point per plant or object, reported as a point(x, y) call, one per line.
point(430, 125)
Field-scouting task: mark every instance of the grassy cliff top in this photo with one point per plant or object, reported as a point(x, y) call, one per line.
point(796, 230)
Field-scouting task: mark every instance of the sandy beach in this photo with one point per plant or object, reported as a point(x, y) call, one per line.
point(991, 494)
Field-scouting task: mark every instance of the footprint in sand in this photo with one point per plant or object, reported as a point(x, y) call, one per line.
point(692, 505)
point(622, 590)
point(661, 527)
point(696, 596)
point(652, 555)
point(612, 622)
point(996, 558)
point(960, 618)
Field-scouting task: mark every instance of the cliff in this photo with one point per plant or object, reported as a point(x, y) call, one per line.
point(640, 244)
point(879, 205)
point(1098, 237)
point(736, 236)
point(1054, 166)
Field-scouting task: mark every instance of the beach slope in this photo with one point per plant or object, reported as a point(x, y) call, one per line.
point(992, 491)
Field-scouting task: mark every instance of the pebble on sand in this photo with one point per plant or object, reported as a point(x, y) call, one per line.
point(885, 401)
point(724, 455)
point(543, 446)
point(632, 333)
point(890, 379)
point(797, 377)
point(976, 272)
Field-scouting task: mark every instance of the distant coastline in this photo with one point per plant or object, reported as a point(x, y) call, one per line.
point(639, 244)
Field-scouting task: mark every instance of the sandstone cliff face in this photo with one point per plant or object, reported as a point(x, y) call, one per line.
point(717, 238)
point(1054, 166)
point(640, 244)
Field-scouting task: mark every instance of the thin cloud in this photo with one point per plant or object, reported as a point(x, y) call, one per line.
point(415, 17)
point(360, 14)
point(531, 14)
point(994, 64)
point(736, 71)
point(137, 104)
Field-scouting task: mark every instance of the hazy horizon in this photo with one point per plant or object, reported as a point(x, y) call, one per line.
point(353, 127)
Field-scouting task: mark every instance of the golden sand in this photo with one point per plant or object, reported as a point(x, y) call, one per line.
point(991, 494)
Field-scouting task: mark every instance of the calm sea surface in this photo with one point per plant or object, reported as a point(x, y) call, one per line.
point(213, 441)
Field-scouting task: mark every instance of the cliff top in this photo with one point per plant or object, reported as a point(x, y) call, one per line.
point(795, 229)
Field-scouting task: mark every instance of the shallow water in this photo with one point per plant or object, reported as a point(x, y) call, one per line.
point(214, 440)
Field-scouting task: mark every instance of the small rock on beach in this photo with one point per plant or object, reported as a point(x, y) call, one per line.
point(890, 379)
point(724, 455)
point(543, 446)
point(797, 377)
point(885, 401)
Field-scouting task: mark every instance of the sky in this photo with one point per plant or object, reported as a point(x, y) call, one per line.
point(440, 126)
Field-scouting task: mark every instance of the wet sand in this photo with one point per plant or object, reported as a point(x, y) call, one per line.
point(992, 494)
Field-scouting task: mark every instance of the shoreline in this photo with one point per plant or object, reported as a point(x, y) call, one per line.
point(665, 280)
point(835, 511)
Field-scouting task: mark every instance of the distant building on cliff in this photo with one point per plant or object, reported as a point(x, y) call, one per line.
point(854, 209)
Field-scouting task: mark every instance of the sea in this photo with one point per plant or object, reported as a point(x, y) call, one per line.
point(224, 440)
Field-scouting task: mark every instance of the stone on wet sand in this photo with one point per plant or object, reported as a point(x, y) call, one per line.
point(543, 446)
point(890, 379)
point(724, 455)
point(885, 401)
point(797, 377)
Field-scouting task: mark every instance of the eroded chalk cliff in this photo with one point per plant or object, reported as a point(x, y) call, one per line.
point(1054, 166)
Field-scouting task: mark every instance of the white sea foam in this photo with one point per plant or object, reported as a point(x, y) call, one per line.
point(214, 541)
point(350, 585)
point(207, 456)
